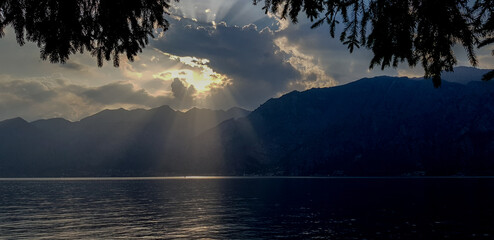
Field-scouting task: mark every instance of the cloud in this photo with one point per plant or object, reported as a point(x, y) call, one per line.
point(179, 89)
point(258, 70)
point(312, 75)
point(122, 92)
point(234, 12)
point(71, 65)
point(195, 71)
point(55, 97)
point(326, 53)
point(157, 83)
point(334, 59)
point(32, 91)
point(42, 98)
point(183, 95)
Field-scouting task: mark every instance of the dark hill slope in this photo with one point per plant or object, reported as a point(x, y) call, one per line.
point(110, 143)
point(377, 126)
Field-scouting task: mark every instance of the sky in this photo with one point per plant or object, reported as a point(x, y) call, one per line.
point(216, 54)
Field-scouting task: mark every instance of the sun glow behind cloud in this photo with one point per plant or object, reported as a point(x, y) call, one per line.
point(196, 72)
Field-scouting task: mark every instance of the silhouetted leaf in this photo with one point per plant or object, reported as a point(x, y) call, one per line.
point(488, 76)
point(105, 28)
point(409, 31)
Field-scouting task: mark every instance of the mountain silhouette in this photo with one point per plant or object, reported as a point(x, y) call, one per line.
point(465, 75)
point(112, 142)
point(374, 126)
point(381, 126)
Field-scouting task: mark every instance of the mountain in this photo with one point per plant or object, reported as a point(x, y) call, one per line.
point(464, 75)
point(383, 126)
point(112, 142)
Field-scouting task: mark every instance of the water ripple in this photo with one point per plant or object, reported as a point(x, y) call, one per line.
point(268, 208)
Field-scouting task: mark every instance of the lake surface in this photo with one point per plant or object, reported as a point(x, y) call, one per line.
point(248, 208)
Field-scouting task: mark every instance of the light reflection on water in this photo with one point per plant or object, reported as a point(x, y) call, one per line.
point(246, 208)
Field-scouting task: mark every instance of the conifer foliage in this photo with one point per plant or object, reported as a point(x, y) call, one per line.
point(105, 28)
point(413, 31)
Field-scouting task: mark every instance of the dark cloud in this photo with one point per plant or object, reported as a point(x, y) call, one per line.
point(42, 98)
point(156, 84)
point(184, 96)
point(73, 66)
point(28, 91)
point(122, 92)
point(47, 98)
point(126, 93)
point(246, 55)
point(178, 88)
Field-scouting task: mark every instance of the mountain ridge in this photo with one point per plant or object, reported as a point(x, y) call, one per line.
point(376, 117)
point(381, 126)
point(111, 142)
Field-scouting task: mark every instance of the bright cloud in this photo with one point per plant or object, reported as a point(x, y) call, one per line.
point(202, 76)
point(311, 74)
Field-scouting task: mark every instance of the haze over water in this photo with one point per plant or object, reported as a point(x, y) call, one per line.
point(248, 208)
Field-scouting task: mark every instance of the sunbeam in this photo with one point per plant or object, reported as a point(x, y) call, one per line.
point(234, 12)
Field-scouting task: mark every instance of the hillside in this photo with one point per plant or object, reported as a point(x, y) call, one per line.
point(382, 126)
point(110, 143)
point(379, 126)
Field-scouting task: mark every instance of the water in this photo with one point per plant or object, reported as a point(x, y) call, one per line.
point(248, 208)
